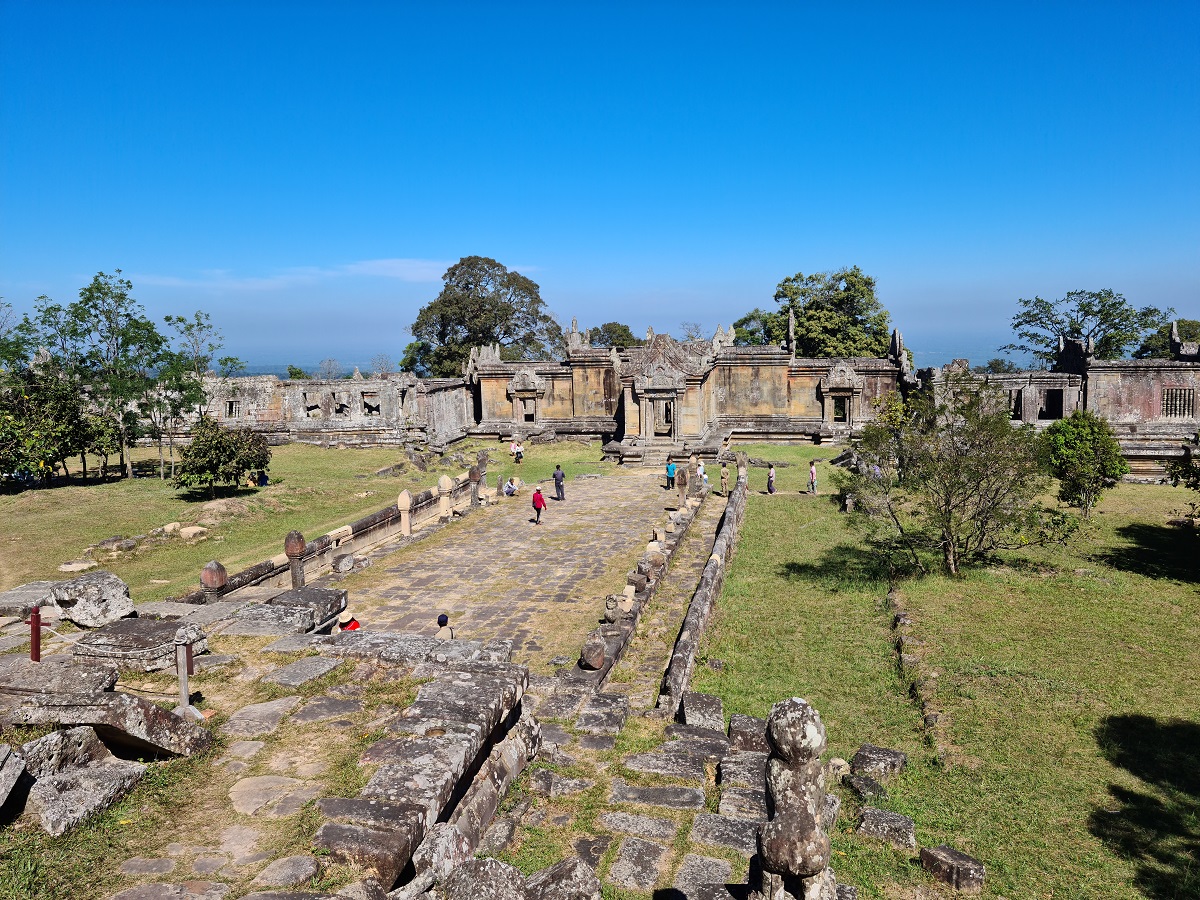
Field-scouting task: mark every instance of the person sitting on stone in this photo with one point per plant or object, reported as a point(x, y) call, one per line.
point(511, 487)
point(445, 632)
point(263, 480)
point(346, 622)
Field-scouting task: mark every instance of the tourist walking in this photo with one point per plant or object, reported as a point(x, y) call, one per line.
point(519, 452)
point(812, 477)
point(771, 480)
point(670, 473)
point(560, 486)
point(724, 478)
point(539, 503)
point(700, 472)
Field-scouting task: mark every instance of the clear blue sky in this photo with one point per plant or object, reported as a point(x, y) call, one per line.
point(306, 171)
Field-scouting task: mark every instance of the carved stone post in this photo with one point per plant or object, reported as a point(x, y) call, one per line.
point(475, 475)
point(213, 579)
point(743, 463)
point(404, 504)
point(444, 486)
point(294, 546)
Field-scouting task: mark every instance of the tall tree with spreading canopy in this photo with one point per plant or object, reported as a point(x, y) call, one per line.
point(220, 456)
point(760, 328)
point(1105, 317)
point(837, 314)
point(482, 302)
point(614, 334)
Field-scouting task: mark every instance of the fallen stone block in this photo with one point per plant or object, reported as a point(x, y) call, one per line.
point(701, 870)
point(165, 609)
point(61, 751)
point(93, 599)
point(12, 767)
point(374, 814)
point(670, 797)
point(256, 619)
point(426, 777)
point(893, 828)
point(864, 787)
point(720, 831)
point(189, 890)
point(671, 764)
point(139, 645)
point(20, 600)
point(603, 714)
point(879, 763)
point(275, 796)
point(743, 803)
point(743, 768)
point(324, 708)
point(325, 603)
point(484, 879)
point(57, 674)
point(592, 654)
point(642, 826)
point(192, 532)
point(63, 800)
point(295, 643)
point(702, 711)
point(570, 879)
point(953, 867)
point(637, 864)
point(748, 733)
point(288, 871)
point(120, 720)
point(383, 852)
point(550, 784)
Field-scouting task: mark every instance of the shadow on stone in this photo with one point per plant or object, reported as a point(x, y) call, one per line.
point(1158, 829)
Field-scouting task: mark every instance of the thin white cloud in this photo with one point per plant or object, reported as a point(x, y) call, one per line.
point(412, 270)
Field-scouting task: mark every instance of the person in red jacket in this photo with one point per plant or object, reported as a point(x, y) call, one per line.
point(539, 503)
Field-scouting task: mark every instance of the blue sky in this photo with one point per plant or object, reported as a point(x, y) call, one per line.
point(305, 172)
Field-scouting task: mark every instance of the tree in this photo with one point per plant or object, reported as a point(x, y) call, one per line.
point(381, 364)
point(1158, 344)
point(1106, 318)
point(691, 331)
point(837, 314)
point(760, 328)
point(198, 341)
point(12, 346)
point(42, 420)
point(296, 373)
point(614, 334)
point(220, 456)
point(329, 370)
point(954, 479)
point(482, 302)
point(1083, 455)
point(997, 366)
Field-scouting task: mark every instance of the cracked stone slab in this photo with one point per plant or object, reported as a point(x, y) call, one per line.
point(138, 645)
point(259, 718)
point(288, 871)
point(890, 827)
point(58, 674)
point(698, 870)
point(721, 831)
point(673, 765)
point(743, 768)
point(637, 864)
point(295, 643)
point(556, 734)
point(63, 800)
point(12, 767)
point(743, 803)
point(189, 890)
point(603, 714)
point(274, 796)
point(260, 619)
point(140, 865)
point(879, 763)
point(641, 826)
point(703, 711)
point(669, 797)
point(748, 733)
point(561, 705)
point(323, 708)
point(382, 852)
point(122, 719)
point(302, 671)
point(551, 784)
point(425, 777)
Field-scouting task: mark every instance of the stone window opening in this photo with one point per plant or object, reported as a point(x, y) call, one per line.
point(370, 402)
point(1015, 411)
point(841, 409)
point(312, 410)
point(1052, 404)
point(341, 405)
point(529, 409)
point(233, 409)
point(1178, 403)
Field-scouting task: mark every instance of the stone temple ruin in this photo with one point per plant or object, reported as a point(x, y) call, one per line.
point(671, 397)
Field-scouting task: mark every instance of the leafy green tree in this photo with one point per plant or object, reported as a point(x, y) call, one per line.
point(42, 421)
point(296, 373)
point(1083, 455)
point(759, 328)
point(837, 314)
point(997, 366)
point(13, 349)
point(614, 334)
point(945, 474)
point(220, 456)
point(1106, 318)
point(1158, 344)
point(482, 302)
point(197, 343)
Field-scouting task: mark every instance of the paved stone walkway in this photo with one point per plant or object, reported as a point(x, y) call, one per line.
point(497, 575)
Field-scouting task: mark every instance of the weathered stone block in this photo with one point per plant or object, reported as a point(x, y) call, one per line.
point(255, 619)
point(302, 671)
point(864, 787)
point(672, 764)
point(288, 871)
point(12, 767)
point(374, 813)
point(139, 645)
point(325, 603)
point(670, 797)
point(642, 826)
point(119, 719)
point(953, 867)
point(259, 718)
point(794, 844)
point(701, 870)
point(748, 733)
point(743, 768)
point(879, 763)
point(383, 852)
point(603, 714)
point(721, 831)
point(484, 879)
point(570, 879)
point(703, 711)
point(57, 674)
point(795, 731)
point(893, 828)
point(637, 864)
point(61, 801)
point(592, 654)
point(60, 751)
point(93, 599)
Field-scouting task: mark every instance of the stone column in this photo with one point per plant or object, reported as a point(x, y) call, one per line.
point(213, 579)
point(444, 486)
point(404, 504)
point(475, 475)
point(794, 845)
point(294, 546)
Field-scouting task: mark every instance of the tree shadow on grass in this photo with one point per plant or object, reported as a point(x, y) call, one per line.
point(844, 565)
point(1159, 551)
point(1158, 829)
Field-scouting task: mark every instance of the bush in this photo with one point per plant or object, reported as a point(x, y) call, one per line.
point(1083, 455)
point(219, 455)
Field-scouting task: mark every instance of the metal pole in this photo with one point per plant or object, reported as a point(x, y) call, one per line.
point(35, 634)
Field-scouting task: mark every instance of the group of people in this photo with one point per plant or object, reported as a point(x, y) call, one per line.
point(513, 486)
point(812, 478)
point(677, 477)
point(347, 622)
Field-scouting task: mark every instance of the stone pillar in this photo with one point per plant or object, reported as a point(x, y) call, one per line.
point(213, 579)
point(793, 846)
point(444, 486)
point(743, 463)
point(404, 504)
point(294, 546)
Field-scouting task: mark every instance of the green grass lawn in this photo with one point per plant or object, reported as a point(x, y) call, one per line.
point(312, 489)
point(1071, 679)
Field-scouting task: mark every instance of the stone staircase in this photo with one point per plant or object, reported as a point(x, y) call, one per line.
point(654, 456)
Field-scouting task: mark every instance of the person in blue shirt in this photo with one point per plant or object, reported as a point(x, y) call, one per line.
point(670, 473)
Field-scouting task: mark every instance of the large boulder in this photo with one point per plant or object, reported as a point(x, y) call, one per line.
point(93, 599)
